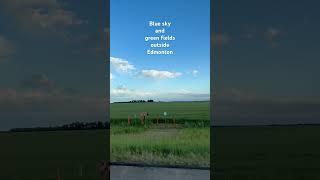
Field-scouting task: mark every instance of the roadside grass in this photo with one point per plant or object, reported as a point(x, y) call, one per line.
point(186, 146)
point(182, 137)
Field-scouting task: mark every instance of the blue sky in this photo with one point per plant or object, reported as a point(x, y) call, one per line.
point(182, 76)
point(52, 68)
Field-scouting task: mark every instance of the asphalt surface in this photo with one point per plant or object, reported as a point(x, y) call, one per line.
point(119, 172)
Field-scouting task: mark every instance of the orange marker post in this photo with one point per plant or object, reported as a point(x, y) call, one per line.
point(129, 120)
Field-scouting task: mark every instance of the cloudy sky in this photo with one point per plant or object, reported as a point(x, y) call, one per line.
point(267, 62)
point(52, 69)
point(183, 76)
point(51, 63)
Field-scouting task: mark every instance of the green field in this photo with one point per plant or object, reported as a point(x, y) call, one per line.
point(184, 112)
point(186, 147)
point(239, 153)
point(39, 155)
point(180, 138)
point(266, 153)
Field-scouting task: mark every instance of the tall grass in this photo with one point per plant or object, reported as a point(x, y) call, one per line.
point(188, 146)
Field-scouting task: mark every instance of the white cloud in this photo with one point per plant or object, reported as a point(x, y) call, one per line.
point(184, 91)
point(111, 76)
point(6, 49)
point(120, 90)
point(121, 65)
point(160, 74)
point(195, 73)
point(123, 92)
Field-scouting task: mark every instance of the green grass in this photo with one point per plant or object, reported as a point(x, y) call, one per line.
point(188, 147)
point(184, 112)
point(116, 130)
point(186, 144)
point(266, 153)
point(37, 155)
point(240, 153)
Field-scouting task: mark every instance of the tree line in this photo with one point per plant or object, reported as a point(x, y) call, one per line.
point(72, 126)
point(138, 101)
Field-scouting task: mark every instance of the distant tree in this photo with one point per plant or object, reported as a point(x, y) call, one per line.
point(71, 126)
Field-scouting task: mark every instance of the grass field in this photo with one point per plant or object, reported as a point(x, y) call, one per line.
point(185, 142)
point(184, 112)
point(39, 155)
point(240, 153)
point(186, 147)
point(266, 153)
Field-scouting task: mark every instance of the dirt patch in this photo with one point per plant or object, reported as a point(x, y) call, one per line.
point(161, 132)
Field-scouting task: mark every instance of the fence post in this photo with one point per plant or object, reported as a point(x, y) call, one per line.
point(141, 118)
point(129, 120)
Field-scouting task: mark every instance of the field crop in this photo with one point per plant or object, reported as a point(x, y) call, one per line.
point(266, 152)
point(180, 138)
point(40, 155)
point(187, 113)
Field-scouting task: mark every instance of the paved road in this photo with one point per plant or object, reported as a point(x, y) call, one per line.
point(152, 173)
